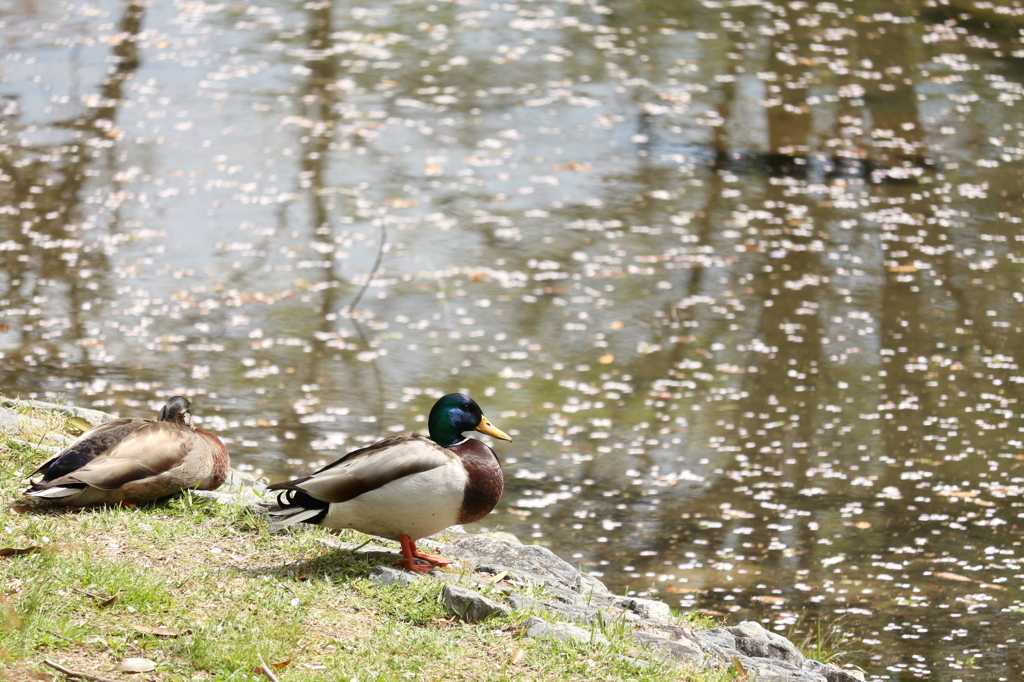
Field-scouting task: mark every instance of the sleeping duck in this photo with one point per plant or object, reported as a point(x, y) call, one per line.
point(134, 460)
point(406, 487)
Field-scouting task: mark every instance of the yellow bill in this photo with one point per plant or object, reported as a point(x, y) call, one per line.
point(491, 430)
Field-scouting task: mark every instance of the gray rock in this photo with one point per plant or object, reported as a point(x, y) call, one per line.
point(650, 609)
point(384, 575)
point(768, 670)
point(9, 421)
point(717, 639)
point(379, 553)
point(537, 628)
point(679, 649)
point(475, 582)
point(833, 673)
point(571, 612)
point(533, 558)
point(680, 641)
point(768, 655)
point(243, 480)
point(469, 605)
point(94, 417)
point(753, 640)
point(522, 578)
point(15, 423)
point(241, 488)
point(501, 535)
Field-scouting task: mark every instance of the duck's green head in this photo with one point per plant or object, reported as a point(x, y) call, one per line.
point(455, 413)
point(177, 409)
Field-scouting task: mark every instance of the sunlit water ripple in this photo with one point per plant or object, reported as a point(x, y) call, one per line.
point(742, 279)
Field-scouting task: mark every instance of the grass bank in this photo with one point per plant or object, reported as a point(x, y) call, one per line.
point(205, 593)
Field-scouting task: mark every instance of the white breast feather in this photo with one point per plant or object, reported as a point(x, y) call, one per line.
point(418, 505)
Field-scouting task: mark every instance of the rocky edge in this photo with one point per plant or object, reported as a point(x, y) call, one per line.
point(494, 575)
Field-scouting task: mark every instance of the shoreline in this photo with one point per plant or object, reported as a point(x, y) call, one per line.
point(539, 603)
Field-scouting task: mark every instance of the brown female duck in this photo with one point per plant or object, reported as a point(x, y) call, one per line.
point(134, 460)
point(405, 487)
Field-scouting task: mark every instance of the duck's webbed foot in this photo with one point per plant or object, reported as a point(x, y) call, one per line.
point(410, 554)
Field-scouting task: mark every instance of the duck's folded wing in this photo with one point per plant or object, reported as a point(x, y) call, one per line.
point(151, 450)
point(370, 468)
point(88, 447)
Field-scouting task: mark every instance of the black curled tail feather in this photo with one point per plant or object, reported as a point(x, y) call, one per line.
point(292, 500)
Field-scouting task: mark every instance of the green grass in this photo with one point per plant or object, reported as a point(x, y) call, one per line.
point(235, 594)
point(825, 643)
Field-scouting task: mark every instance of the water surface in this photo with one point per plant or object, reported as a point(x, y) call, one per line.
point(743, 279)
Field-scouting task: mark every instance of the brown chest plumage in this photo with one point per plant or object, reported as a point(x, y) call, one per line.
point(483, 489)
point(221, 461)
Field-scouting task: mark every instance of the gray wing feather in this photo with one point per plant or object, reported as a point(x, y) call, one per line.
point(372, 468)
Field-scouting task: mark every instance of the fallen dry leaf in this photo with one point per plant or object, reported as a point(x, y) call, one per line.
point(954, 576)
point(497, 578)
point(258, 670)
point(78, 424)
point(21, 508)
point(860, 525)
point(517, 656)
point(683, 590)
point(572, 166)
point(160, 630)
point(14, 551)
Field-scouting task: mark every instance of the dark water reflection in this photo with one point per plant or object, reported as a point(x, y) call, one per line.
point(742, 279)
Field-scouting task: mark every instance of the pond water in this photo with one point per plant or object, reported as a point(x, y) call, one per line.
point(742, 278)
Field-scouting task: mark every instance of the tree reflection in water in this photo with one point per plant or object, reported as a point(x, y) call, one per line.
point(743, 280)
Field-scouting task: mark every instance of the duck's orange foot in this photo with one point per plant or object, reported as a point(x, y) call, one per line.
point(432, 558)
point(410, 554)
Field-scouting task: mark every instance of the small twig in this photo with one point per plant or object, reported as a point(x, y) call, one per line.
point(103, 601)
point(382, 221)
point(76, 673)
point(88, 594)
point(356, 549)
point(266, 669)
point(51, 632)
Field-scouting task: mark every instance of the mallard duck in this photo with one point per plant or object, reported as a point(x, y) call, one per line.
point(405, 487)
point(134, 460)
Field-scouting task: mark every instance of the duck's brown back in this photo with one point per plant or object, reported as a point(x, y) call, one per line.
point(92, 444)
